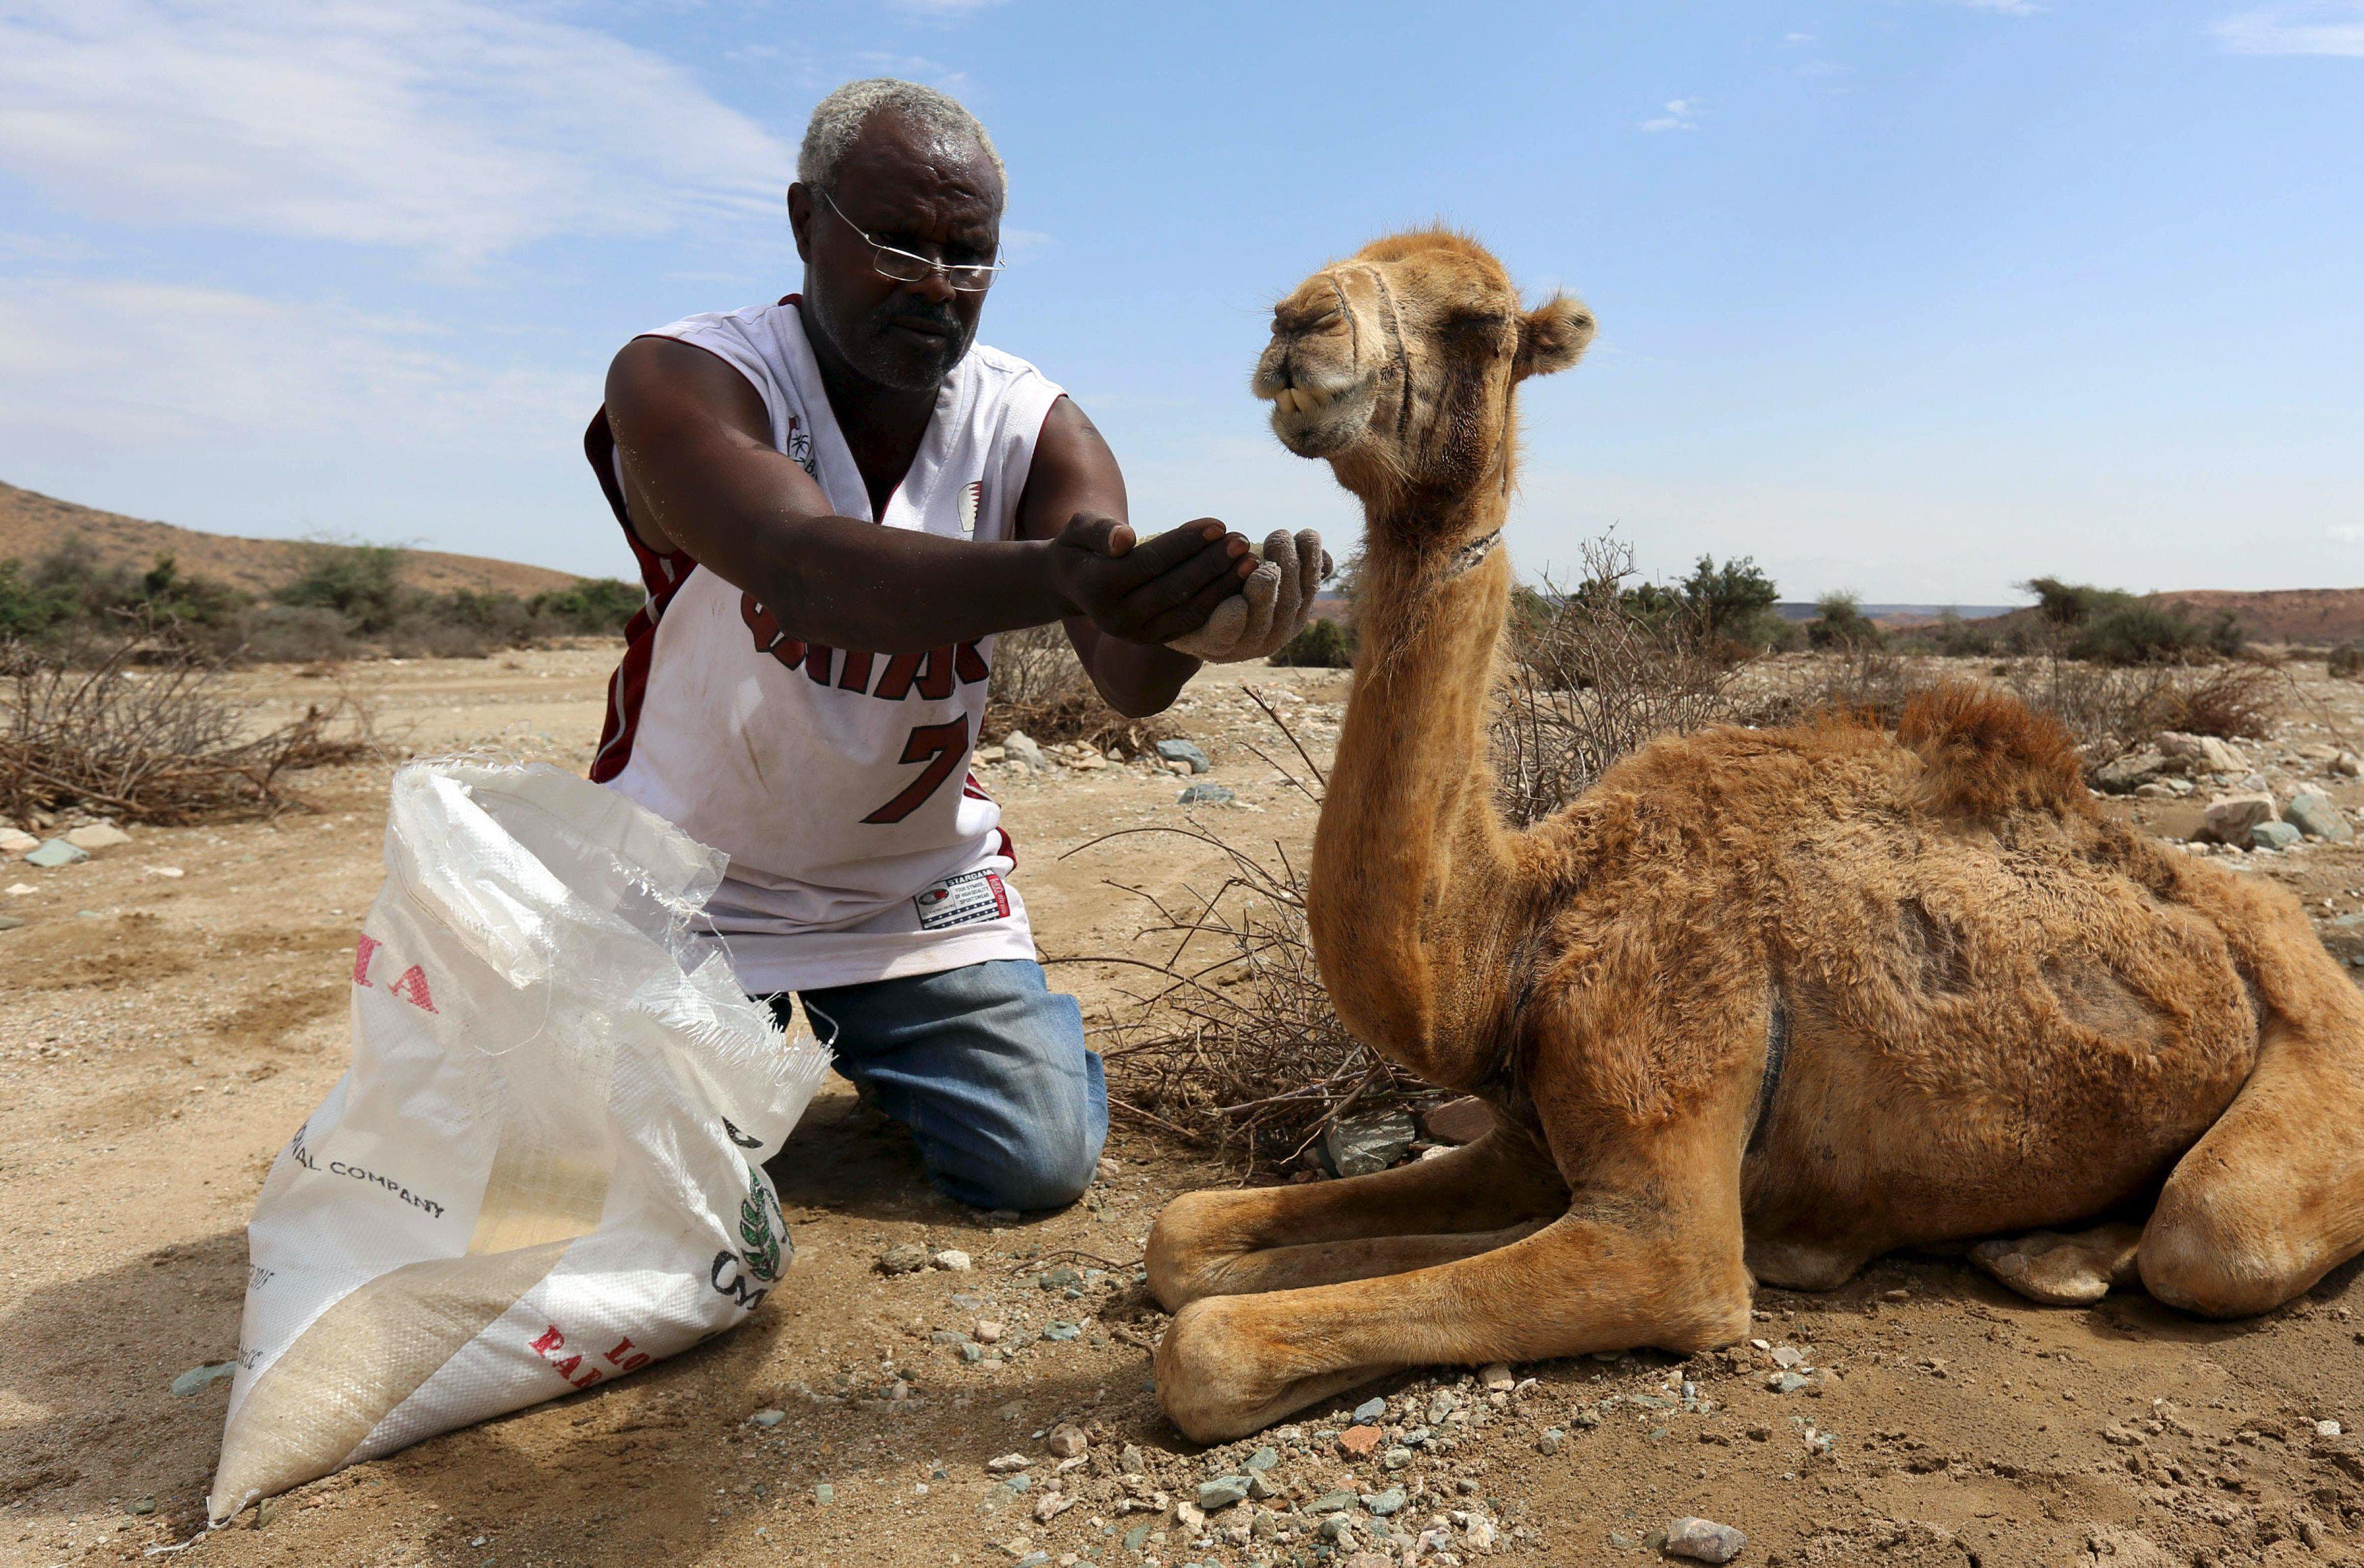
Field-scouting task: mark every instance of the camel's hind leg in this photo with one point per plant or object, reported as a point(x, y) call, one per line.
point(1475, 1198)
point(2272, 1197)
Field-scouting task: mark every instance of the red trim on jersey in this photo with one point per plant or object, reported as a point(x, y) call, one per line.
point(1009, 850)
point(662, 575)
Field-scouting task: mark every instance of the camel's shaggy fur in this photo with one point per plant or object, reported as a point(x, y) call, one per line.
point(2003, 1011)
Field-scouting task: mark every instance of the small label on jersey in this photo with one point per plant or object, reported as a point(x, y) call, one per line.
point(972, 497)
point(960, 900)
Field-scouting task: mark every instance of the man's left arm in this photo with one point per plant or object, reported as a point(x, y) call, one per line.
point(1074, 473)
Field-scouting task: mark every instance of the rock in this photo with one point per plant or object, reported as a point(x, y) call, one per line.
point(1369, 1143)
point(1054, 1329)
point(2347, 765)
point(1360, 1442)
point(1260, 1487)
point(2129, 772)
point(1022, 747)
point(15, 842)
point(953, 1258)
point(991, 754)
point(1007, 1464)
point(1264, 1459)
point(1464, 1120)
point(1137, 1537)
point(768, 1417)
point(1130, 1462)
point(1206, 794)
point(1440, 1404)
point(908, 1257)
point(1382, 1504)
point(1331, 1502)
point(989, 1332)
point(97, 836)
point(1788, 1357)
point(1479, 1533)
point(1060, 1278)
point(1551, 1442)
point(197, 1377)
point(9, 922)
point(1183, 752)
point(1497, 1378)
point(1066, 1440)
point(1395, 1458)
point(2312, 812)
point(56, 853)
point(2275, 836)
point(1785, 1382)
point(1703, 1541)
point(2230, 817)
point(21, 890)
point(2204, 752)
point(1190, 1517)
point(172, 874)
point(2326, 1429)
point(1222, 1493)
point(1371, 1410)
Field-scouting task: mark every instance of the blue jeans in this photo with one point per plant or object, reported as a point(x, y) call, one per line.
point(986, 1066)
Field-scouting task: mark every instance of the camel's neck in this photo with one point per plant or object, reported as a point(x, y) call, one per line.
point(1409, 901)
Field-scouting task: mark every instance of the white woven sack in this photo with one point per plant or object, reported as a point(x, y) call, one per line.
point(544, 1168)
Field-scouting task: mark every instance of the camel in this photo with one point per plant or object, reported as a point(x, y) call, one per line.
point(1759, 1006)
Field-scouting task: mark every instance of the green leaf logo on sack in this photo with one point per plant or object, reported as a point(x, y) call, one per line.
point(762, 1228)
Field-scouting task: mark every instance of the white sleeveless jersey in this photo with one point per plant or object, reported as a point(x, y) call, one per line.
point(837, 780)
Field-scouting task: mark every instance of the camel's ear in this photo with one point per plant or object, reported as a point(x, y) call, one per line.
point(1553, 336)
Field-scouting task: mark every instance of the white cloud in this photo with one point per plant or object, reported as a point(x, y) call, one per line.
point(2346, 533)
point(2327, 26)
point(1681, 115)
point(447, 127)
point(83, 363)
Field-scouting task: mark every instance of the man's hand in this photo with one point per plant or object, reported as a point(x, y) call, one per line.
point(1274, 608)
point(1147, 594)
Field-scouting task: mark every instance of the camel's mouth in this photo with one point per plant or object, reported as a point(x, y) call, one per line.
point(1317, 421)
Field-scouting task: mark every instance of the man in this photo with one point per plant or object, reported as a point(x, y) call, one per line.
point(836, 501)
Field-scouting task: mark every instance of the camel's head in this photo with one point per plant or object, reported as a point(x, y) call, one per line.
point(1397, 364)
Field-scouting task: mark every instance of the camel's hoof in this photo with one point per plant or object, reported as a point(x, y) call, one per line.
point(2063, 1271)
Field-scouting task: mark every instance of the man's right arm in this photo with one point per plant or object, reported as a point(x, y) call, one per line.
point(700, 475)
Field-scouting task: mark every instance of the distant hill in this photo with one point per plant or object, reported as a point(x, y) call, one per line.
point(2322, 616)
point(33, 524)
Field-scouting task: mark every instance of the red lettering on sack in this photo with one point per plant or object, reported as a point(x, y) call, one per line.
point(412, 988)
point(588, 1378)
point(363, 952)
point(550, 1339)
point(566, 1368)
point(626, 1358)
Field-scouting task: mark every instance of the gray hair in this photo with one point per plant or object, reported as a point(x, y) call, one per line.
point(838, 119)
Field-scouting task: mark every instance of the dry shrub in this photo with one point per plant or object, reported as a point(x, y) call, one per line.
point(1590, 676)
point(2109, 709)
point(141, 731)
point(1231, 1043)
point(1039, 687)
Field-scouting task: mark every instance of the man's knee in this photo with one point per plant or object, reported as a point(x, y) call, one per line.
point(1047, 1158)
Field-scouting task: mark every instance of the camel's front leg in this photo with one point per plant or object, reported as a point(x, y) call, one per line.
point(1607, 1276)
point(1473, 1199)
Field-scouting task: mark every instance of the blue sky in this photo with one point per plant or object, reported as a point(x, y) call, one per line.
point(1911, 297)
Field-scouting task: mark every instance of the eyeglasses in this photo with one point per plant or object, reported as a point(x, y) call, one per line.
point(904, 267)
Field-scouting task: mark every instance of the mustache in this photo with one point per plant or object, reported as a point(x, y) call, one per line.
point(940, 318)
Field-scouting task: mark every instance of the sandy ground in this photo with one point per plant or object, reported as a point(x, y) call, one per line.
point(161, 1037)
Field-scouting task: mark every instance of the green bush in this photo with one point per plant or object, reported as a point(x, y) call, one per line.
point(362, 583)
point(594, 606)
point(1324, 644)
point(2110, 626)
point(1735, 600)
point(1839, 622)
